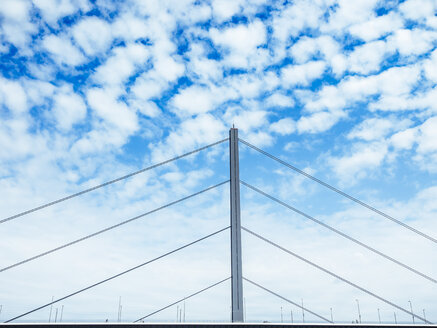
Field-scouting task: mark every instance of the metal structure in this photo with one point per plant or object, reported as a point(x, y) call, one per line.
point(236, 264)
point(237, 278)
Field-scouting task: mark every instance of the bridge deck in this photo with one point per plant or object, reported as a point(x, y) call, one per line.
point(205, 325)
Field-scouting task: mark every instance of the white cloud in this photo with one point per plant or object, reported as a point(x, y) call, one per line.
point(168, 68)
point(105, 104)
point(363, 159)
point(205, 69)
point(121, 64)
point(430, 67)
point(427, 136)
point(16, 143)
point(241, 41)
point(53, 10)
point(318, 122)
point(417, 9)
point(422, 136)
point(13, 96)
point(305, 48)
point(16, 25)
point(146, 87)
point(63, 51)
point(404, 139)
point(302, 74)
point(195, 100)
point(130, 27)
point(431, 21)
point(391, 83)
point(279, 100)
point(38, 92)
point(246, 120)
point(148, 108)
point(294, 18)
point(93, 35)
point(368, 57)
point(412, 42)
point(69, 108)
point(329, 97)
point(377, 27)
point(349, 13)
point(247, 86)
point(259, 138)
point(191, 133)
point(284, 126)
point(377, 128)
point(225, 9)
point(201, 99)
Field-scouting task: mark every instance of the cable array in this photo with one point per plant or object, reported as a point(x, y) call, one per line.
point(335, 275)
point(183, 299)
point(117, 275)
point(109, 182)
point(287, 300)
point(387, 257)
point(344, 194)
point(110, 228)
point(221, 230)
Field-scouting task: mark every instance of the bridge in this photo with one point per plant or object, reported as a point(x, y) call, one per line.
point(235, 229)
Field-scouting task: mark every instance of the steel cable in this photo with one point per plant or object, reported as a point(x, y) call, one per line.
point(287, 300)
point(109, 182)
point(117, 275)
point(183, 299)
point(387, 257)
point(309, 176)
point(336, 275)
point(109, 228)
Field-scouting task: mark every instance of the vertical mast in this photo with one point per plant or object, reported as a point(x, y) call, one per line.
point(237, 281)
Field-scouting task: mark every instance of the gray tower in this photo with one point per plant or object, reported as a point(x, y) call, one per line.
point(237, 281)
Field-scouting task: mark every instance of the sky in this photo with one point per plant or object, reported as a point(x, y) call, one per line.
point(91, 90)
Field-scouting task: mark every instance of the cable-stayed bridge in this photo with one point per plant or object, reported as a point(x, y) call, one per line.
point(235, 229)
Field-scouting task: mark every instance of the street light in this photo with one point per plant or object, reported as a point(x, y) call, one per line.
point(379, 316)
point(411, 307)
point(303, 313)
point(359, 312)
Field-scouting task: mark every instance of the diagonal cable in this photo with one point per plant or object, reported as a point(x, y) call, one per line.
point(309, 176)
point(109, 182)
point(109, 228)
point(183, 299)
point(387, 257)
point(287, 300)
point(336, 275)
point(117, 275)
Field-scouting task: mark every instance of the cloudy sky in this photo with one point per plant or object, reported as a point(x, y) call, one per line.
point(91, 90)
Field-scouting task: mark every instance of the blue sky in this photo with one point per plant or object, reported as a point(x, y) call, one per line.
point(92, 90)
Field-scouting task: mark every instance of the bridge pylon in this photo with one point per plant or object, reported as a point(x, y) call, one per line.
point(236, 263)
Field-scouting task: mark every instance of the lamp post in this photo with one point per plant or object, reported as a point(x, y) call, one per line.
point(303, 313)
point(359, 312)
point(412, 313)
